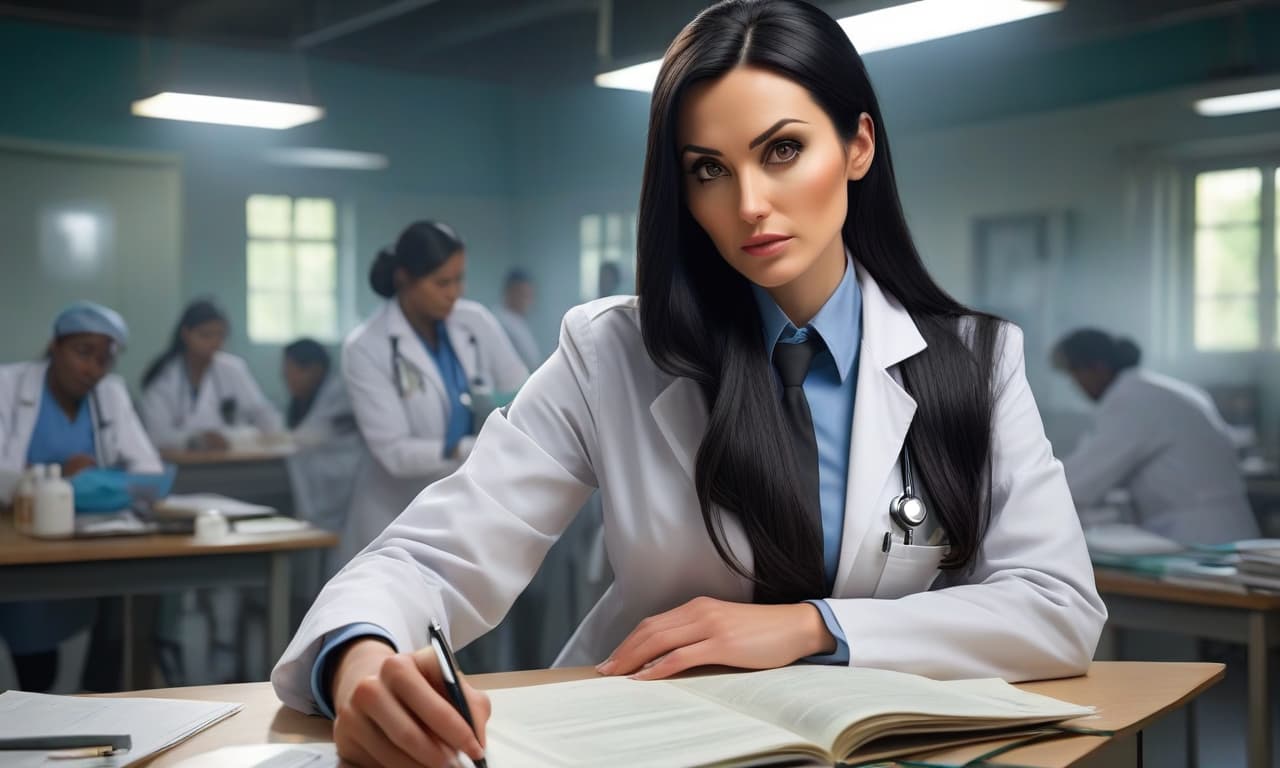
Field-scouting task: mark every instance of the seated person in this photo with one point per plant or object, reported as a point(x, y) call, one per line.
point(70, 411)
point(1160, 439)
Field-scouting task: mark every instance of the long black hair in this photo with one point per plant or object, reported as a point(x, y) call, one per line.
point(422, 248)
point(700, 321)
point(197, 313)
point(1084, 347)
point(306, 353)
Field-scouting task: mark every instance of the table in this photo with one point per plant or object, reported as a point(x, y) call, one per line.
point(259, 476)
point(1139, 602)
point(35, 569)
point(1130, 695)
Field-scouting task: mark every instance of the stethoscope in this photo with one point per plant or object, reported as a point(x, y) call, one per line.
point(409, 377)
point(907, 510)
point(99, 419)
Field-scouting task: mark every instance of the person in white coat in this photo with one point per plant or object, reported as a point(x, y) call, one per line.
point(743, 528)
point(195, 396)
point(1160, 439)
point(513, 315)
point(416, 372)
point(70, 410)
point(322, 424)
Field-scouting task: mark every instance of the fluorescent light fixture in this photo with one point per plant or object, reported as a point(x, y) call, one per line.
point(1239, 103)
point(319, 157)
point(893, 27)
point(226, 111)
point(639, 77)
point(923, 20)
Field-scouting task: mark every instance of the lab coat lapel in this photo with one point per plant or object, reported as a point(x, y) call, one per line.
point(681, 414)
point(29, 393)
point(882, 414)
point(465, 347)
point(412, 349)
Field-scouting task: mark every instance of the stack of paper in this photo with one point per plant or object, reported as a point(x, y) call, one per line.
point(153, 724)
point(191, 505)
point(1260, 563)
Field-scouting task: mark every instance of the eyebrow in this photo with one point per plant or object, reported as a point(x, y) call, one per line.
point(757, 141)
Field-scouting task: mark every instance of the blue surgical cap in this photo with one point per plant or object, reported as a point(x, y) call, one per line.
point(87, 317)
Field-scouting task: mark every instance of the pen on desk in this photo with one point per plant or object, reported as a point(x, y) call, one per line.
point(112, 743)
point(452, 683)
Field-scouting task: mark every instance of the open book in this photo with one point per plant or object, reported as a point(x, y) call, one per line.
point(794, 715)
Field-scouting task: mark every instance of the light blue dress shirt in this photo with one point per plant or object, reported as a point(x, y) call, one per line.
point(829, 387)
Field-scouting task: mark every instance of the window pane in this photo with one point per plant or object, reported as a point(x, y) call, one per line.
point(1227, 260)
point(1229, 196)
point(268, 215)
point(316, 267)
point(317, 316)
point(590, 231)
point(314, 218)
point(269, 266)
point(1227, 323)
point(269, 317)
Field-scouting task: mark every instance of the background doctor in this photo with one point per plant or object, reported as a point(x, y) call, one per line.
point(329, 449)
point(1160, 439)
point(67, 409)
point(411, 370)
point(196, 396)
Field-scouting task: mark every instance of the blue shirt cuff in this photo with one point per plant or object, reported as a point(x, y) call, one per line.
point(332, 642)
point(841, 654)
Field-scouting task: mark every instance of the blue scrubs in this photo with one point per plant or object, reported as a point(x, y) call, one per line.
point(455, 384)
point(39, 626)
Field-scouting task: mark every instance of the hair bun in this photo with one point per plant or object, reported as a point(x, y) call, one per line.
point(382, 273)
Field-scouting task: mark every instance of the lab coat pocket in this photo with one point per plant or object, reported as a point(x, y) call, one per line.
point(908, 569)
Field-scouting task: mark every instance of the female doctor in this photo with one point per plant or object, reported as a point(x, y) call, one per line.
point(755, 514)
point(196, 396)
point(413, 370)
point(66, 410)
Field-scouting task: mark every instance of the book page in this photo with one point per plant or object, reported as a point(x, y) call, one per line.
point(820, 702)
point(619, 721)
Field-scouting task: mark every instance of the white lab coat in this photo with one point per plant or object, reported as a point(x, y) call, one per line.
point(172, 418)
point(600, 413)
point(328, 456)
point(406, 435)
point(1164, 441)
point(120, 441)
point(521, 335)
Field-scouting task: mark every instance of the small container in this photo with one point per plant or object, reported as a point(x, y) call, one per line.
point(24, 500)
point(211, 526)
point(55, 506)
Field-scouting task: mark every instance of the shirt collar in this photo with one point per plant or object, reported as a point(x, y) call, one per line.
point(838, 323)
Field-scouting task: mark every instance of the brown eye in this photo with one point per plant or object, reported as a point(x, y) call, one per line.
point(783, 152)
point(707, 171)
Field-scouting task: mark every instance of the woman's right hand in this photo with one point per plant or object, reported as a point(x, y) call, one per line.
point(392, 709)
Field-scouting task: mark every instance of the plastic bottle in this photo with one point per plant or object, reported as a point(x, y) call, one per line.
point(24, 500)
point(55, 509)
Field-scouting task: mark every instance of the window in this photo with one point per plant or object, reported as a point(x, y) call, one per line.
point(292, 256)
point(607, 239)
point(1235, 246)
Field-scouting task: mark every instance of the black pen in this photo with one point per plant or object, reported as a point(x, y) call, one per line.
point(449, 670)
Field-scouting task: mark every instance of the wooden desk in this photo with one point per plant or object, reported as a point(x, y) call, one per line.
point(1253, 620)
point(35, 569)
point(1129, 695)
point(259, 476)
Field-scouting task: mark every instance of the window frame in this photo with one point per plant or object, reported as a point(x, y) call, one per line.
point(340, 246)
point(1268, 315)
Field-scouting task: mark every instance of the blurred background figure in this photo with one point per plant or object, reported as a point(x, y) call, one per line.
point(1159, 439)
point(67, 410)
point(329, 450)
point(610, 279)
point(517, 299)
point(197, 397)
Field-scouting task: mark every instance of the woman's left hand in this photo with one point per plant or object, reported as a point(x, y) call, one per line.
point(709, 631)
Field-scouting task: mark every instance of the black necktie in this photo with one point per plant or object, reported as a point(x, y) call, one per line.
point(792, 362)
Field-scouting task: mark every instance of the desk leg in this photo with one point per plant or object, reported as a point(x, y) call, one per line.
point(1259, 706)
point(127, 677)
point(278, 608)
